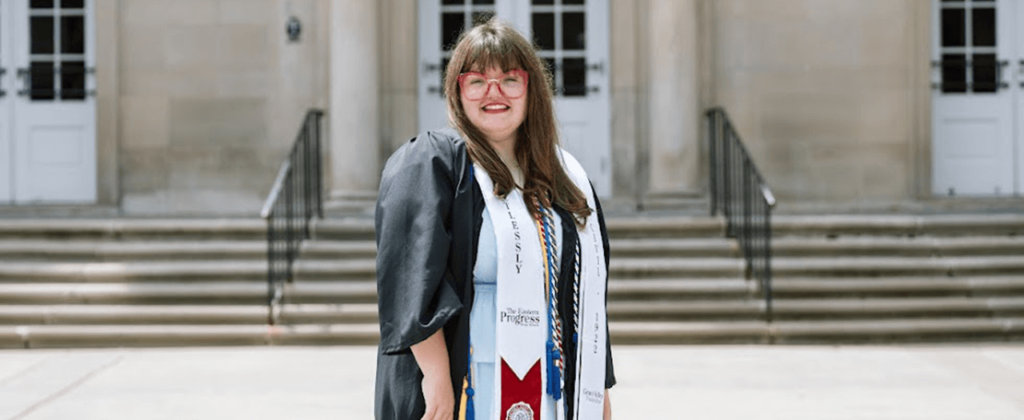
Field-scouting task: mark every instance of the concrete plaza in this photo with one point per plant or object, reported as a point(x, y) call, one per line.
point(933, 382)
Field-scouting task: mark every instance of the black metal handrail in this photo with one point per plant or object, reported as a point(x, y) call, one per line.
point(739, 192)
point(294, 200)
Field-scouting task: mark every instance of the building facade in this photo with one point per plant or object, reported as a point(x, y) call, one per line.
point(187, 107)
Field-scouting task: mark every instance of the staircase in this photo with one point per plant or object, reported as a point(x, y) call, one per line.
point(142, 282)
point(836, 279)
point(138, 282)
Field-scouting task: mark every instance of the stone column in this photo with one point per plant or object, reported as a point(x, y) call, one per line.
point(674, 114)
point(354, 104)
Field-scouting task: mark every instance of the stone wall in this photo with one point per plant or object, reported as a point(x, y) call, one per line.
point(830, 96)
point(826, 94)
point(211, 96)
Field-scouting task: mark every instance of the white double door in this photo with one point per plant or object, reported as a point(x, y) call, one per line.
point(978, 97)
point(47, 104)
point(572, 36)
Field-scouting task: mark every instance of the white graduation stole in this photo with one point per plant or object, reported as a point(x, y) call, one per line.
point(591, 352)
point(522, 308)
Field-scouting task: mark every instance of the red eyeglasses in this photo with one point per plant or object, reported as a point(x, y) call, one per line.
point(511, 84)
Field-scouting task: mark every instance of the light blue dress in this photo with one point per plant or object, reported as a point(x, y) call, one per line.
point(482, 318)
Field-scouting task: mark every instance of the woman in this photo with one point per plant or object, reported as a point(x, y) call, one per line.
point(492, 255)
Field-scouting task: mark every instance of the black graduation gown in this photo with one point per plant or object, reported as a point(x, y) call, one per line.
point(429, 212)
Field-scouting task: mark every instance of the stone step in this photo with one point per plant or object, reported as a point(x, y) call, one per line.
point(665, 227)
point(98, 250)
point(684, 310)
point(788, 309)
point(897, 225)
point(675, 248)
point(689, 289)
point(847, 246)
point(125, 251)
point(78, 336)
point(338, 249)
point(357, 269)
point(133, 271)
point(937, 307)
point(186, 314)
point(895, 266)
point(830, 331)
point(134, 228)
point(230, 292)
point(188, 271)
point(887, 330)
point(627, 268)
point(343, 229)
point(850, 246)
point(902, 286)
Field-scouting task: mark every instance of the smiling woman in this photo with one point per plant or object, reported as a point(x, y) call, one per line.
point(474, 225)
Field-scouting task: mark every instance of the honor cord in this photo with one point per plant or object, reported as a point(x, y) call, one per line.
point(545, 222)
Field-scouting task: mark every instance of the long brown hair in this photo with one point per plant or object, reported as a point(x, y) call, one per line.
point(496, 44)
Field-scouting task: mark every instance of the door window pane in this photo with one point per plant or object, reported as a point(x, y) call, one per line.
point(72, 76)
point(481, 17)
point(574, 76)
point(72, 34)
point(483, 1)
point(550, 64)
point(572, 2)
point(543, 2)
point(449, 2)
point(72, 4)
point(953, 27)
point(954, 73)
point(983, 27)
point(986, 73)
point(41, 74)
point(451, 28)
point(42, 34)
point(41, 4)
point(573, 33)
point(544, 30)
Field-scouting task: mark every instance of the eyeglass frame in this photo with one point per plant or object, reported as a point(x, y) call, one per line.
point(520, 72)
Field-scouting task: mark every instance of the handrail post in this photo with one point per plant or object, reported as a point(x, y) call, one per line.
point(727, 182)
point(307, 205)
point(317, 160)
point(746, 228)
point(712, 135)
point(270, 270)
point(768, 262)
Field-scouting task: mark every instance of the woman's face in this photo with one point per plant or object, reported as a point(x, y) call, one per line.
point(495, 114)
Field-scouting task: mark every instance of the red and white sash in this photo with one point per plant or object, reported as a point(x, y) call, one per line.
point(520, 367)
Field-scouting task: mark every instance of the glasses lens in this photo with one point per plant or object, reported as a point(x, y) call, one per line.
point(512, 85)
point(474, 85)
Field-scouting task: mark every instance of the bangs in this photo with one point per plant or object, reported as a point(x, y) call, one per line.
point(490, 51)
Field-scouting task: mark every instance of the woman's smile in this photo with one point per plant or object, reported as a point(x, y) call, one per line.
point(496, 108)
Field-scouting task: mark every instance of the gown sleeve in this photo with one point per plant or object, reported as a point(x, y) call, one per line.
point(609, 375)
point(416, 294)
